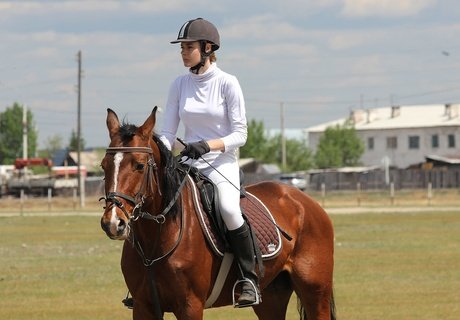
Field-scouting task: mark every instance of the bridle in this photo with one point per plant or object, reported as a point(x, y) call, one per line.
point(146, 190)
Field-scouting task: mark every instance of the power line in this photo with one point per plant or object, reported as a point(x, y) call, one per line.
point(357, 100)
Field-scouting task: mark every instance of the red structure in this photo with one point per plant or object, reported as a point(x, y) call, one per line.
point(20, 163)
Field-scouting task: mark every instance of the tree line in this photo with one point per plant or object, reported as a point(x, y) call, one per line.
point(11, 135)
point(339, 145)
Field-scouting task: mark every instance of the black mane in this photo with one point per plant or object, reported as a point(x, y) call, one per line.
point(127, 131)
point(173, 175)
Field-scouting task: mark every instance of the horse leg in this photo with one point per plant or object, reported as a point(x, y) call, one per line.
point(275, 299)
point(193, 309)
point(312, 283)
point(142, 312)
point(136, 278)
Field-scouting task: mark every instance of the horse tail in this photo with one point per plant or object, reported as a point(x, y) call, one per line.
point(301, 310)
point(332, 307)
point(303, 314)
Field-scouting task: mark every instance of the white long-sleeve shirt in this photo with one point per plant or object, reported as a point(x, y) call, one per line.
point(210, 106)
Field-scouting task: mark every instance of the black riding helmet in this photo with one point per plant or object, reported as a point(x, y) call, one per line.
point(203, 31)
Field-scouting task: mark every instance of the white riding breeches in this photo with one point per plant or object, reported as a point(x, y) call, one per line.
point(226, 176)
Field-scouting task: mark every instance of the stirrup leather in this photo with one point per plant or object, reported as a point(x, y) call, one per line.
point(256, 291)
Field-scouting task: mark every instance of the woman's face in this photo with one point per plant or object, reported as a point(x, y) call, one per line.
point(190, 52)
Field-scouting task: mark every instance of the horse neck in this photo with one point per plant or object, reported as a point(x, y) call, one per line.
point(159, 235)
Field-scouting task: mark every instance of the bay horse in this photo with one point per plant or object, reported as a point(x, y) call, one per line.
point(167, 264)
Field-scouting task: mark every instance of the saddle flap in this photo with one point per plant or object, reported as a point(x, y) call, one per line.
point(258, 215)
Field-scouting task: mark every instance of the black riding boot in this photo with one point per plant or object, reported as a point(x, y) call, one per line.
point(242, 246)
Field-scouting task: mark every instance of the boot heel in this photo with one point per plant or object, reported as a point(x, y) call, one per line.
point(237, 303)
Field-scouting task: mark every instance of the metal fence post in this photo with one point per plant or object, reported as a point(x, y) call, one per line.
point(323, 193)
point(429, 193)
point(358, 191)
point(392, 193)
point(49, 199)
point(22, 202)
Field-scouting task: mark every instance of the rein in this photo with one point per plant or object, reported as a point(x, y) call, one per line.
point(138, 200)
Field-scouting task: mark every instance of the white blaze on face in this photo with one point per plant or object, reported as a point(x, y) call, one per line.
point(116, 163)
point(114, 219)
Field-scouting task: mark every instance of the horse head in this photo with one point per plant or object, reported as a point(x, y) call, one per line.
point(130, 172)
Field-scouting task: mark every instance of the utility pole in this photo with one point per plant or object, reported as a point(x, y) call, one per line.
point(81, 187)
point(24, 133)
point(283, 137)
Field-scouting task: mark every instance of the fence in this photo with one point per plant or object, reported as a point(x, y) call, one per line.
point(437, 178)
point(441, 178)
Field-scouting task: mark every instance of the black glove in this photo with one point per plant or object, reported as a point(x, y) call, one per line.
point(195, 150)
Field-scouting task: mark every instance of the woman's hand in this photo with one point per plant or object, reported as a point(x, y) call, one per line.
point(195, 150)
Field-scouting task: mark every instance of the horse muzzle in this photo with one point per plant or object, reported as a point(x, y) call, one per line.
point(115, 227)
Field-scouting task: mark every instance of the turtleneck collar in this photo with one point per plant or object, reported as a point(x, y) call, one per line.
point(208, 74)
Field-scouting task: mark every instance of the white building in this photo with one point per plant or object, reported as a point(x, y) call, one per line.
point(404, 135)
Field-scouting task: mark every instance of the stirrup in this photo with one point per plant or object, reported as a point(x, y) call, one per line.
point(256, 291)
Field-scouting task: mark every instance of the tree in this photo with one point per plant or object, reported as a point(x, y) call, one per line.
point(268, 150)
point(73, 143)
point(299, 157)
point(11, 133)
point(339, 146)
point(53, 144)
point(256, 143)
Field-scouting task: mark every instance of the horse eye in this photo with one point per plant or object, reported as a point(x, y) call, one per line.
point(139, 166)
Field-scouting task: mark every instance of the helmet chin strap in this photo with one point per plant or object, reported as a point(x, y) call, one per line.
point(204, 56)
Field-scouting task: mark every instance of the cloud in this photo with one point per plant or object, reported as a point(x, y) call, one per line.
point(266, 27)
point(65, 6)
point(47, 7)
point(341, 41)
point(385, 8)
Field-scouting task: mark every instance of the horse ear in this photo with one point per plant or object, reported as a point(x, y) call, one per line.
point(147, 128)
point(113, 124)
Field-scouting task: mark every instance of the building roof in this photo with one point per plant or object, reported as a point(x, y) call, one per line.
point(398, 117)
point(443, 159)
point(60, 156)
point(90, 159)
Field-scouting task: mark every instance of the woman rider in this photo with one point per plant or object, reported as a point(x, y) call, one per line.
point(210, 105)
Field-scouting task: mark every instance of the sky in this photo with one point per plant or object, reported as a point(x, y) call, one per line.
point(320, 59)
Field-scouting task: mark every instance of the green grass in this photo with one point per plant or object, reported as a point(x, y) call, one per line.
point(398, 266)
point(387, 266)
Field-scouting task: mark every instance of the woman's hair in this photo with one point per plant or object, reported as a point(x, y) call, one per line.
point(212, 57)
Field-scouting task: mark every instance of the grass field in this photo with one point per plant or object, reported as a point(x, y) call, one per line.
point(387, 266)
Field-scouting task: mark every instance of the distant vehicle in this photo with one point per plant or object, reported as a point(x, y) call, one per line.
point(294, 180)
point(60, 180)
point(6, 172)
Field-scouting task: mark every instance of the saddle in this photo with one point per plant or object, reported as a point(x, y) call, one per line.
point(263, 225)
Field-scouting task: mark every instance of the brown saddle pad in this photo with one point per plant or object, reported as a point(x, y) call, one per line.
point(260, 219)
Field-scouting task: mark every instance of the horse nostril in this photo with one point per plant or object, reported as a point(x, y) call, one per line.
point(121, 226)
point(104, 226)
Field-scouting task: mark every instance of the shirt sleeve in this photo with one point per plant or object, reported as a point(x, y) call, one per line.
point(171, 116)
point(237, 114)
